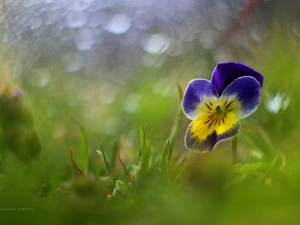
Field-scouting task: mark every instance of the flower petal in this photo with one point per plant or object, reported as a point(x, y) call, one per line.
point(196, 91)
point(246, 91)
point(195, 144)
point(230, 133)
point(225, 73)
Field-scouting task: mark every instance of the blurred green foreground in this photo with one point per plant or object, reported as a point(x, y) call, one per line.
point(77, 151)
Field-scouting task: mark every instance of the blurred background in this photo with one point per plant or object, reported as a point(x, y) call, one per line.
point(115, 65)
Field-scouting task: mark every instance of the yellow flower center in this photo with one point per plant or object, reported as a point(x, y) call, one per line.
point(215, 114)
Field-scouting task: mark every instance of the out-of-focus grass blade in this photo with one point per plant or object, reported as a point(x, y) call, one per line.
point(274, 161)
point(3, 164)
point(84, 146)
point(275, 164)
point(178, 167)
point(116, 150)
point(177, 122)
point(129, 176)
point(144, 159)
point(108, 166)
point(74, 163)
point(165, 158)
point(143, 141)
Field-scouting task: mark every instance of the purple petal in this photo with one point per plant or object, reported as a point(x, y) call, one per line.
point(232, 132)
point(246, 90)
point(196, 91)
point(195, 144)
point(225, 73)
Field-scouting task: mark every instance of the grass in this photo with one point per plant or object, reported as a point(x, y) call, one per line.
point(115, 155)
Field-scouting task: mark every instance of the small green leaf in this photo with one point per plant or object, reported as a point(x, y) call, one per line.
point(120, 186)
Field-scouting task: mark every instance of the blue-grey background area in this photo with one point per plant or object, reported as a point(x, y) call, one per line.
point(112, 38)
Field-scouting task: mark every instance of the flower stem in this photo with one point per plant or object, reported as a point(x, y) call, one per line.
point(234, 150)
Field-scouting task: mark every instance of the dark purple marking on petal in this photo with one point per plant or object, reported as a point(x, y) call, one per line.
point(247, 91)
point(232, 132)
point(194, 144)
point(195, 92)
point(225, 73)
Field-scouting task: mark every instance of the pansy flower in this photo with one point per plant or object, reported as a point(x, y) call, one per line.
point(215, 107)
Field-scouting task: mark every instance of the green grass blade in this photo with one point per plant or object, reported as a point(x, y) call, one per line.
point(108, 166)
point(143, 141)
point(116, 149)
point(84, 146)
point(165, 158)
point(144, 159)
point(74, 163)
point(177, 123)
point(3, 164)
point(129, 176)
